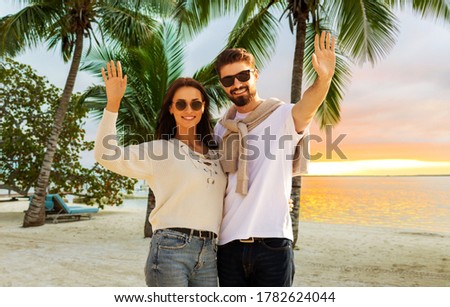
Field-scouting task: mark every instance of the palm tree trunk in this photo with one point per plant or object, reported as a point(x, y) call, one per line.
point(296, 91)
point(148, 230)
point(35, 215)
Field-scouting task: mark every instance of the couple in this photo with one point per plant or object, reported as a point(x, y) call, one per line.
point(237, 196)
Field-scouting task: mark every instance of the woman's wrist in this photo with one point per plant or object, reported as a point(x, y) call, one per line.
point(112, 108)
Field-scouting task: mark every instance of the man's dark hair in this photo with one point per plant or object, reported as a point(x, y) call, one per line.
point(230, 56)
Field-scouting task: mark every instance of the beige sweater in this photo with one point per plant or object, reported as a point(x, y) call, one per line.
point(189, 187)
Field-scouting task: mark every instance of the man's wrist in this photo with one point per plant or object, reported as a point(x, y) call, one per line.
point(324, 80)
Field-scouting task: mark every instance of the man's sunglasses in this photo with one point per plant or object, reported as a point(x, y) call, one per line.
point(242, 76)
point(182, 104)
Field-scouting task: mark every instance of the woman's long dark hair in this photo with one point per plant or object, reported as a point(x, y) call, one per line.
point(167, 127)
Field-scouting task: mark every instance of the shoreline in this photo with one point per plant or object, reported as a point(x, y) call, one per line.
point(110, 251)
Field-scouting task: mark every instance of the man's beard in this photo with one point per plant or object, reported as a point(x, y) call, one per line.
point(243, 100)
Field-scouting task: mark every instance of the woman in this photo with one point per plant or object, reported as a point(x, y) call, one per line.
point(184, 173)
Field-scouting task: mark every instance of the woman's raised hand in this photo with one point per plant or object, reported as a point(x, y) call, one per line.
point(115, 85)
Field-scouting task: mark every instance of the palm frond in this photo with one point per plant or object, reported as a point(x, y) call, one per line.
point(208, 77)
point(220, 8)
point(26, 28)
point(247, 12)
point(219, 98)
point(434, 9)
point(258, 34)
point(368, 28)
point(193, 16)
point(128, 27)
point(329, 112)
point(94, 98)
point(98, 58)
point(173, 51)
point(159, 62)
point(59, 34)
point(255, 30)
point(155, 8)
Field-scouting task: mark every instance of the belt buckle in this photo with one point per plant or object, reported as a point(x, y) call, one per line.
point(203, 234)
point(249, 240)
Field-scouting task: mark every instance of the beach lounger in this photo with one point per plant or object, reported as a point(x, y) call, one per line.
point(57, 210)
point(49, 207)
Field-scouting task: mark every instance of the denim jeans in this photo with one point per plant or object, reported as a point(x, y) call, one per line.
point(180, 260)
point(267, 262)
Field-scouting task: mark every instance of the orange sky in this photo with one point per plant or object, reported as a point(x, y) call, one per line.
point(350, 150)
point(351, 155)
point(346, 158)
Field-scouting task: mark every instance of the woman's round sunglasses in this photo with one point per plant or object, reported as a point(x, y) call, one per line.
point(242, 76)
point(182, 104)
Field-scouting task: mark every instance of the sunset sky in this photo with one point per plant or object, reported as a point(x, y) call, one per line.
point(394, 117)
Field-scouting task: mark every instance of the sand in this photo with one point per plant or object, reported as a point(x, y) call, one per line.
point(110, 251)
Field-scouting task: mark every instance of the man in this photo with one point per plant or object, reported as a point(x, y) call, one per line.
point(259, 138)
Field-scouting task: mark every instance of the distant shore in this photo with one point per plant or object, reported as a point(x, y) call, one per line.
point(110, 250)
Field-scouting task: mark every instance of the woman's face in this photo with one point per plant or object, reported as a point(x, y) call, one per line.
point(187, 107)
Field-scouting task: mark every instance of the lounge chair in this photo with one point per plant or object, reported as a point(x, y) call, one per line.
point(49, 207)
point(56, 209)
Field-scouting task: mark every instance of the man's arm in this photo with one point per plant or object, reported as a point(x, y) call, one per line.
point(324, 63)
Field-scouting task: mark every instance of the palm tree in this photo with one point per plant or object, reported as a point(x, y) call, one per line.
point(366, 31)
point(67, 24)
point(306, 18)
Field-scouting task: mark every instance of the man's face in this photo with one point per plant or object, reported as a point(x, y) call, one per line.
point(239, 91)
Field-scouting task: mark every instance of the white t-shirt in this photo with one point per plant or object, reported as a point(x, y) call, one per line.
point(264, 211)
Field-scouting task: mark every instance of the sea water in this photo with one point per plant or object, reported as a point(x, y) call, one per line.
point(419, 203)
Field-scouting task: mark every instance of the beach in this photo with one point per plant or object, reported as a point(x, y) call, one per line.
point(110, 250)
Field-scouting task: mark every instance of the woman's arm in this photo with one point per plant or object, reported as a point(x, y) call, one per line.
point(131, 161)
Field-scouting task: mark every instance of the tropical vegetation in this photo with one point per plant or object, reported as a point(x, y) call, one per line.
point(68, 24)
point(29, 103)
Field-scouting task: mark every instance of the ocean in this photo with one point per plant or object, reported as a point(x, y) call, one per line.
point(416, 203)
point(420, 203)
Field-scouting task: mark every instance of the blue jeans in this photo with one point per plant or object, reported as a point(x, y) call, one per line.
point(180, 260)
point(267, 262)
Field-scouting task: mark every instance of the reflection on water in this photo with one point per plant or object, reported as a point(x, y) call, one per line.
point(401, 202)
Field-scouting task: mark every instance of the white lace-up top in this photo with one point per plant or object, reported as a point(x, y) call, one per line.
point(189, 187)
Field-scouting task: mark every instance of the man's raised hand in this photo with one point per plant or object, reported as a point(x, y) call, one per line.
point(324, 57)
